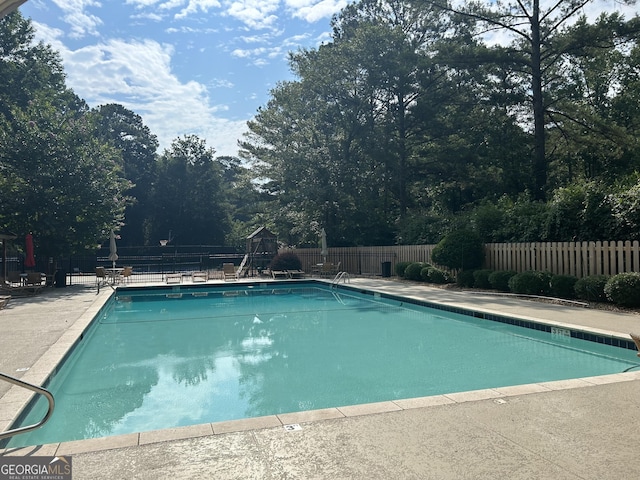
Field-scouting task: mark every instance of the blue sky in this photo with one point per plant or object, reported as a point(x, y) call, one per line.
point(198, 67)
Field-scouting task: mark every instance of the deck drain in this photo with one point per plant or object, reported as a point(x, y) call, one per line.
point(23, 369)
point(500, 401)
point(291, 427)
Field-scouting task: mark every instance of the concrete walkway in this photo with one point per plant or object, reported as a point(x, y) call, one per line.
point(577, 429)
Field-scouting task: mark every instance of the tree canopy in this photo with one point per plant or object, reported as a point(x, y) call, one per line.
point(57, 179)
point(411, 122)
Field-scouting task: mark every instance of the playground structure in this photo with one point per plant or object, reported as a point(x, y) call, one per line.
point(261, 248)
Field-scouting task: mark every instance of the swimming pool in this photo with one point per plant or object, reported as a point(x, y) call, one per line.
point(275, 348)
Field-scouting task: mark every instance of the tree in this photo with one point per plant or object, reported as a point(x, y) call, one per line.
point(336, 146)
point(189, 197)
point(58, 180)
point(460, 249)
point(536, 54)
point(124, 130)
point(26, 67)
point(591, 140)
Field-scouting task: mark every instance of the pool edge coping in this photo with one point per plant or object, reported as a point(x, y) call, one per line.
point(64, 346)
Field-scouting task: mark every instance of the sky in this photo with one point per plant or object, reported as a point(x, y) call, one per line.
point(199, 67)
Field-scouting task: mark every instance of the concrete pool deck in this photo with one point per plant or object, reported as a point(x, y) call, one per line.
point(575, 429)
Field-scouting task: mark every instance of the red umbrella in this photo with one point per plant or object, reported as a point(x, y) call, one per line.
point(30, 261)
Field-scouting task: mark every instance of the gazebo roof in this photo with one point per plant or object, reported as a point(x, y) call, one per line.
point(261, 232)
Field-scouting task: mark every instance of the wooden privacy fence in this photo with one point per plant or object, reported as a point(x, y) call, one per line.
point(364, 260)
point(580, 259)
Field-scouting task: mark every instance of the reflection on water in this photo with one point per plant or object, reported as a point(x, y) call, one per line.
point(162, 362)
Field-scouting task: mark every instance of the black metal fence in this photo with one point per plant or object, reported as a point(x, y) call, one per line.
point(148, 262)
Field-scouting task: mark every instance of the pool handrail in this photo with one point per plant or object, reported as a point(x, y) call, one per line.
point(34, 388)
point(344, 276)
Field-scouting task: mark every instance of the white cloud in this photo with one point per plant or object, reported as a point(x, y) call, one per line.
point(171, 4)
point(195, 5)
point(156, 17)
point(49, 35)
point(141, 3)
point(138, 75)
point(257, 14)
point(312, 11)
point(248, 53)
point(221, 83)
point(81, 23)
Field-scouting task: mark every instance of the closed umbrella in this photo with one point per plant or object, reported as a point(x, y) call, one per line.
point(113, 249)
point(325, 251)
point(30, 260)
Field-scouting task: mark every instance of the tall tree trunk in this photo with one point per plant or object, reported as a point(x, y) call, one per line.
point(539, 154)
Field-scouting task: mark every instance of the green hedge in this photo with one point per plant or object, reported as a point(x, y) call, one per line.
point(465, 279)
point(499, 279)
point(412, 272)
point(624, 289)
point(459, 249)
point(434, 275)
point(481, 279)
point(563, 286)
point(531, 283)
point(591, 288)
point(401, 267)
point(286, 261)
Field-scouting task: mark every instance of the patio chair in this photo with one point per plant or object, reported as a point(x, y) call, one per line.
point(173, 278)
point(101, 276)
point(34, 278)
point(279, 274)
point(326, 270)
point(229, 271)
point(199, 276)
point(4, 300)
point(126, 273)
point(34, 282)
point(14, 278)
point(295, 273)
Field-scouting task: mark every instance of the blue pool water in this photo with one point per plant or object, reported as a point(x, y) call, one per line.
point(181, 357)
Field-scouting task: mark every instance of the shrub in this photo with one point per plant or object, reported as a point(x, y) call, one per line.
point(481, 279)
point(412, 272)
point(401, 267)
point(624, 289)
point(437, 276)
point(563, 286)
point(433, 275)
point(424, 274)
point(530, 283)
point(286, 261)
point(459, 249)
point(591, 288)
point(465, 278)
point(499, 280)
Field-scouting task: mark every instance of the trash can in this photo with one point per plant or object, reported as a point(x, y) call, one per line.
point(60, 279)
point(386, 269)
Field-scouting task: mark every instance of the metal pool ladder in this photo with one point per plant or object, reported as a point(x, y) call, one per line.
point(33, 388)
point(344, 276)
